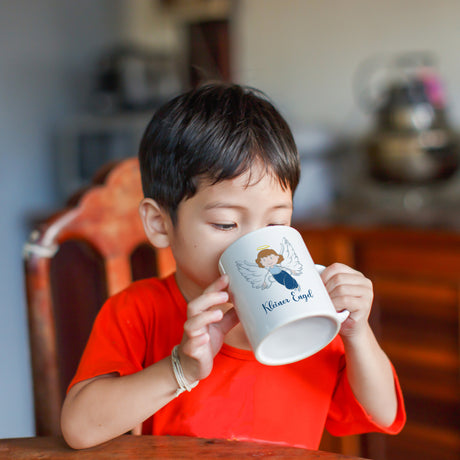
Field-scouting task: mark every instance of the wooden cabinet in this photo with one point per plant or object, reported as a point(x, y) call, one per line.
point(416, 277)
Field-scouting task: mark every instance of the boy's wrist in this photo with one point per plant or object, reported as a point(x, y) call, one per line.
point(358, 339)
point(181, 380)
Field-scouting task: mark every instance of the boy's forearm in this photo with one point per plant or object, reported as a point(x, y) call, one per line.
point(371, 377)
point(108, 407)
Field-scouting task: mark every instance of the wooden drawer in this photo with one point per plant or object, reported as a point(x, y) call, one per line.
point(432, 260)
point(418, 324)
point(416, 277)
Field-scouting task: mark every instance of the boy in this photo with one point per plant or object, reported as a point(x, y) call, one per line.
point(216, 163)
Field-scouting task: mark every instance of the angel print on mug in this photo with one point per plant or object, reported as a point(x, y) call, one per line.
point(271, 266)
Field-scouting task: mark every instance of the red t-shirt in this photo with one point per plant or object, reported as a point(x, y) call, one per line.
point(241, 399)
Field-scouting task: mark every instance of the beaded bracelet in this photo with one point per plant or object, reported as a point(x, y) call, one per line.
point(179, 374)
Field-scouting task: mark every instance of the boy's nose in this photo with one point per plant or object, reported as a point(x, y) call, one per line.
point(252, 228)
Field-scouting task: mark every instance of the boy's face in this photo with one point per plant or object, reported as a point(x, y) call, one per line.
point(216, 216)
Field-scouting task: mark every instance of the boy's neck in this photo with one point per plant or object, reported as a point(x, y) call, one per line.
point(189, 290)
point(237, 338)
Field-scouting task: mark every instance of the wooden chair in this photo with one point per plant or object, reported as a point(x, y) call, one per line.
point(73, 261)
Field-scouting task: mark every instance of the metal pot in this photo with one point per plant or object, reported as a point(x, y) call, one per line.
point(407, 158)
point(412, 141)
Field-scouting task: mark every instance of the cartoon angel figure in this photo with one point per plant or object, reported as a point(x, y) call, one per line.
point(269, 267)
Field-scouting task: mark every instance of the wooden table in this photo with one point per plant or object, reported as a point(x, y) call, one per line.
point(155, 447)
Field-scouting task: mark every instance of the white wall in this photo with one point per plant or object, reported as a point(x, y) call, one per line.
point(46, 48)
point(304, 53)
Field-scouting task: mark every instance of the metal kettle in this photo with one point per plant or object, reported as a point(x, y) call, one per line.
point(412, 141)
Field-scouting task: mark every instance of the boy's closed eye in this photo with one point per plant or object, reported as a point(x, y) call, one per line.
point(231, 226)
point(225, 227)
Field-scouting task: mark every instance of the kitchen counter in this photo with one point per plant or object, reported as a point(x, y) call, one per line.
point(350, 213)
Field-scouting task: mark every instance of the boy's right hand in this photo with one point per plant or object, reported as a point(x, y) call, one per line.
point(205, 329)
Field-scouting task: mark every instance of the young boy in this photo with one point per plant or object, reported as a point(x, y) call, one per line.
point(218, 162)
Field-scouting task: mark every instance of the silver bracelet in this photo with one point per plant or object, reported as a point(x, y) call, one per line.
point(179, 373)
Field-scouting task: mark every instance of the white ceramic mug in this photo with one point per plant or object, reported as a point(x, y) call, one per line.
point(279, 296)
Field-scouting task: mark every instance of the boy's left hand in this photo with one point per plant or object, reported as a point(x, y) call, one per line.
point(349, 290)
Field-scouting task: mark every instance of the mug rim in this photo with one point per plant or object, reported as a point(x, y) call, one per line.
point(262, 229)
point(303, 355)
point(298, 356)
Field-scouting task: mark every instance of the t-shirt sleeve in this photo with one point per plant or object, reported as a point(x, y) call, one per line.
point(347, 416)
point(117, 342)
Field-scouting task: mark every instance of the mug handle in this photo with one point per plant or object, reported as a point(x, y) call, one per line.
point(342, 315)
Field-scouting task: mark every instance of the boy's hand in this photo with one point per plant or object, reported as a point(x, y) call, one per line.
point(349, 290)
point(205, 329)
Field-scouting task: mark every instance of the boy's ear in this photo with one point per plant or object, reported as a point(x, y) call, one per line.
point(156, 221)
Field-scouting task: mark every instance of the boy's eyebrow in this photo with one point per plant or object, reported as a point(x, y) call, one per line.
point(223, 204)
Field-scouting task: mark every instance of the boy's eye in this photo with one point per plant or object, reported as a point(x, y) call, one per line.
point(224, 226)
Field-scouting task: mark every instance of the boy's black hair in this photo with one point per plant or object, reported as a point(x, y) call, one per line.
point(213, 133)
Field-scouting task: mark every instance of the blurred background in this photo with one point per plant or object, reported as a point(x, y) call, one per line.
point(358, 81)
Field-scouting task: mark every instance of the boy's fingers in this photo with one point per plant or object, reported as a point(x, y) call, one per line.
point(218, 285)
point(349, 303)
point(350, 290)
point(345, 279)
point(337, 269)
point(206, 301)
point(197, 325)
point(229, 321)
point(192, 346)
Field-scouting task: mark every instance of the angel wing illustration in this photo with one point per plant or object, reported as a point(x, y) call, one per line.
point(259, 277)
point(291, 261)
